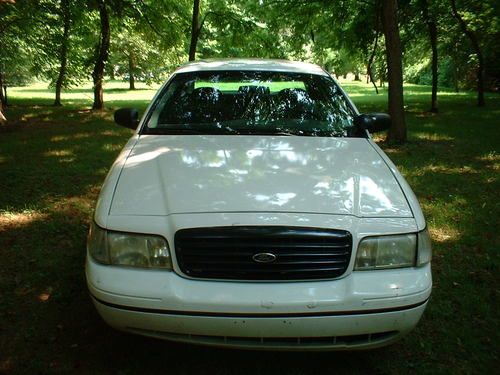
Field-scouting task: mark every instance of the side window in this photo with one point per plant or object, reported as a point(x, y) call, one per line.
point(162, 104)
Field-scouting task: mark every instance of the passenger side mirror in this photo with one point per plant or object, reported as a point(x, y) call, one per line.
point(127, 117)
point(373, 122)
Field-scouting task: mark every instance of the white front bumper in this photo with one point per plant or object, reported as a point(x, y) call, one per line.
point(360, 310)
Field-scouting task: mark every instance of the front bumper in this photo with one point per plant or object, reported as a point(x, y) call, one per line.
point(361, 310)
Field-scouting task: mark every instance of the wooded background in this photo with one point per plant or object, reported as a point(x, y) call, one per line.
point(443, 43)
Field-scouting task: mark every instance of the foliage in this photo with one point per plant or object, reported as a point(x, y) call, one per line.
point(133, 56)
point(48, 38)
point(16, 50)
point(458, 62)
point(338, 34)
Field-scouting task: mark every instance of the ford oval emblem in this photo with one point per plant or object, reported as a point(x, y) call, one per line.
point(264, 257)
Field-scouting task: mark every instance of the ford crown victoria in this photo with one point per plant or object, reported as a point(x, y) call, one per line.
point(252, 209)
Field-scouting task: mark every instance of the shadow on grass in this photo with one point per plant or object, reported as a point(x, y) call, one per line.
point(52, 326)
point(51, 160)
point(51, 172)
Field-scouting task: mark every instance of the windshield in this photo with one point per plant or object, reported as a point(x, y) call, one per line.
point(251, 102)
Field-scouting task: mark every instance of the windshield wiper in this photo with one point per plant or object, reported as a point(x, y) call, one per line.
point(282, 133)
point(267, 132)
point(173, 131)
point(193, 130)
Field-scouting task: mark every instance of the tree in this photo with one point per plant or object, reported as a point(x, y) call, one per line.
point(63, 41)
point(195, 29)
point(15, 46)
point(231, 28)
point(369, 70)
point(397, 132)
point(477, 49)
point(63, 53)
point(432, 27)
point(8, 18)
point(101, 55)
point(136, 56)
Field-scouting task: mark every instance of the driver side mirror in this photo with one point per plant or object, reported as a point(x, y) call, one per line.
point(373, 122)
point(127, 117)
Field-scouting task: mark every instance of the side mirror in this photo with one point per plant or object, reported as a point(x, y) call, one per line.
point(127, 117)
point(373, 122)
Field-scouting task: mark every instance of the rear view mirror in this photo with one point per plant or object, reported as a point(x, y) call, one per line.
point(373, 122)
point(127, 117)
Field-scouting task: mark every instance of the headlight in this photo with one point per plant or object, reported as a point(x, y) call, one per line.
point(386, 252)
point(128, 249)
point(424, 248)
point(96, 244)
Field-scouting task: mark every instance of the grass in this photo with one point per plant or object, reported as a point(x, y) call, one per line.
point(234, 86)
point(53, 161)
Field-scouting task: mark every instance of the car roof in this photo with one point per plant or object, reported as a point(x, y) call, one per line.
point(251, 64)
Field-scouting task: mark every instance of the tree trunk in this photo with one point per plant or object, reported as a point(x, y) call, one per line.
point(477, 49)
point(195, 30)
point(356, 76)
point(2, 97)
point(102, 56)
point(431, 24)
point(63, 54)
point(369, 71)
point(2, 100)
point(397, 132)
point(131, 70)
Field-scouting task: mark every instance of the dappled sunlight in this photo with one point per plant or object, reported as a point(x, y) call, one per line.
point(74, 205)
point(10, 220)
point(45, 208)
point(425, 93)
point(442, 234)
point(425, 114)
point(110, 133)
point(492, 158)
point(433, 137)
point(393, 150)
point(103, 114)
point(112, 147)
point(278, 199)
point(379, 137)
point(40, 112)
point(63, 138)
point(442, 168)
point(135, 160)
point(373, 191)
point(45, 295)
point(64, 156)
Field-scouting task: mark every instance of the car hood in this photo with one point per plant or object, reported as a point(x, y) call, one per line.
point(175, 174)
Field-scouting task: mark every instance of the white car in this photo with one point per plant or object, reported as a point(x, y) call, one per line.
point(252, 209)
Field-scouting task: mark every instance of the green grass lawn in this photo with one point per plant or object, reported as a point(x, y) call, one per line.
point(54, 160)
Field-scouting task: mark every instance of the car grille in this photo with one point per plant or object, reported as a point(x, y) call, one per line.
point(263, 252)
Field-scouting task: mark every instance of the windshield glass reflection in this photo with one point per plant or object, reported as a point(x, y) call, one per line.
point(253, 102)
